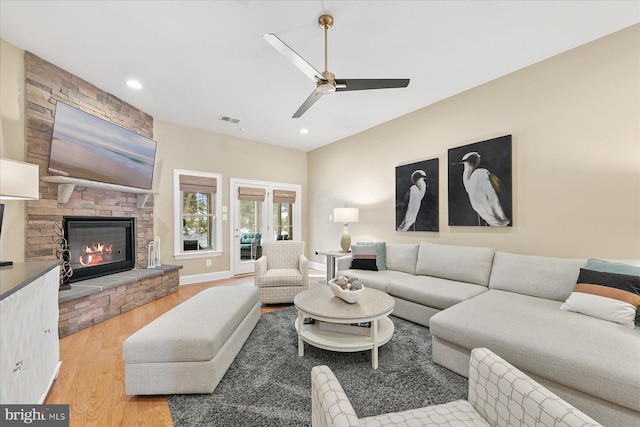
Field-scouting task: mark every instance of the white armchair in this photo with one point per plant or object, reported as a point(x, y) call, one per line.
point(499, 395)
point(282, 271)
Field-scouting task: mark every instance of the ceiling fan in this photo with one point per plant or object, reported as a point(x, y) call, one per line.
point(326, 81)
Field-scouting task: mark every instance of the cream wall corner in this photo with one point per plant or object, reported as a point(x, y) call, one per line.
point(575, 121)
point(12, 241)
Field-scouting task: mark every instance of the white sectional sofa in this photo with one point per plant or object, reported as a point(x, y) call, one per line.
point(476, 297)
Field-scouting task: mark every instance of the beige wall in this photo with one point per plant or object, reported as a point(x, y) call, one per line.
point(575, 121)
point(12, 147)
point(181, 147)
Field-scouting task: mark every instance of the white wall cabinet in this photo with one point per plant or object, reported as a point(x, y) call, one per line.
point(29, 345)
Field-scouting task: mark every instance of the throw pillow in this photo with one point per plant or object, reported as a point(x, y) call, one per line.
point(608, 296)
point(612, 267)
point(381, 254)
point(363, 257)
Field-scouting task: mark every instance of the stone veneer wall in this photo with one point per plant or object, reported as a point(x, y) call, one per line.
point(45, 84)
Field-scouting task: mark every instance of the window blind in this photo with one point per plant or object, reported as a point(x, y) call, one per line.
point(198, 184)
point(250, 193)
point(284, 196)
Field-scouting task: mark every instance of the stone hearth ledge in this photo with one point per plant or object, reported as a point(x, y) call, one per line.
point(87, 287)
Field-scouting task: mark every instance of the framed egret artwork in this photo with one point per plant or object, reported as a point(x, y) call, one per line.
point(480, 183)
point(417, 196)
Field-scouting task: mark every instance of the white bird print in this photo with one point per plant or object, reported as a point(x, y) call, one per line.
point(484, 190)
point(416, 193)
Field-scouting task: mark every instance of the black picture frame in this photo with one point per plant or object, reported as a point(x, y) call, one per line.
point(495, 157)
point(427, 216)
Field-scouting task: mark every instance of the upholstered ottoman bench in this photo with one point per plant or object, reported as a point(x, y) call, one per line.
point(188, 349)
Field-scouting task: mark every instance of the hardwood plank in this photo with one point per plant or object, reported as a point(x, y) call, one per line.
point(91, 378)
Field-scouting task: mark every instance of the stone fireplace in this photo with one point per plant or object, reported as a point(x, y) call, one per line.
point(99, 246)
point(98, 295)
point(45, 85)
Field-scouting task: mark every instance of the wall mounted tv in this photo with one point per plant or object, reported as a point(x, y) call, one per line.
point(88, 147)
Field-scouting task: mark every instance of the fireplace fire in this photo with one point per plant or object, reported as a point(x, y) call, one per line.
point(99, 245)
point(95, 254)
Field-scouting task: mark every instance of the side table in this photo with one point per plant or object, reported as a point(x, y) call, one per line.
point(331, 261)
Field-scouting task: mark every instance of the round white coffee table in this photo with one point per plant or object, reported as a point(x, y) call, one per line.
point(320, 304)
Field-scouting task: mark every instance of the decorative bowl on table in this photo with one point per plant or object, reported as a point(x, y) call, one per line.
point(348, 295)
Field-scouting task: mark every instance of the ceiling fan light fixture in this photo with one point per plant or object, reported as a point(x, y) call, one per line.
point(326, 88)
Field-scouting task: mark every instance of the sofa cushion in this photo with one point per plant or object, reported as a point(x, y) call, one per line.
point(544, 277)
point(374, 279)
point(607, 296)
point(456, 413)
point(364, 257)
point(613, 267)
point(281, 277)
point(584, 353)
point(193, 331)
point(433, 291)
point(622, 266)
point(461, 263)
point(402, 257)
point(381, 253)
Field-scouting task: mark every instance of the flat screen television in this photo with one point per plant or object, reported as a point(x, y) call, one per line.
point(88, 147)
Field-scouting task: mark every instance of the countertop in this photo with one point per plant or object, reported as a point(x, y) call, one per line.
point(15, 277)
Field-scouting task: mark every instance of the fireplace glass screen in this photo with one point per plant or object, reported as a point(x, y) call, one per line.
point(99, 246)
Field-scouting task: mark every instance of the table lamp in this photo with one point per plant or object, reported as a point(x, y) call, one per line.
point(345, 215)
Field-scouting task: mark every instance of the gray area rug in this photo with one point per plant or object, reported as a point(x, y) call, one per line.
point(269, 385)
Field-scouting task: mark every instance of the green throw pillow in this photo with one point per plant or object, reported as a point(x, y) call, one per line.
point(381, 253)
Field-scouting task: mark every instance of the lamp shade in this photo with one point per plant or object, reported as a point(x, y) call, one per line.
point(19, 180)
point(345, 215)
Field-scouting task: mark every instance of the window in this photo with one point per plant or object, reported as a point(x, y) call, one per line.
point(198, 226)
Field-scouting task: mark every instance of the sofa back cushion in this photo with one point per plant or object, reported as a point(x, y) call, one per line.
point(543, 277)
point(402, 257)
point(461, 263)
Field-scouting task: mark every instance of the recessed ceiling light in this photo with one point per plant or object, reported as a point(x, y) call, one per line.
point(134, 84)
point(304, 131)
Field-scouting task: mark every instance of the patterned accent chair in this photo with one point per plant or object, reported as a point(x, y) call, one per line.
point(499, 395)
point(282, 271)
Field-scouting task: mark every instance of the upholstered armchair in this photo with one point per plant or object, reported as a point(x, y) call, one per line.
point(499, 395)
point(282, 271)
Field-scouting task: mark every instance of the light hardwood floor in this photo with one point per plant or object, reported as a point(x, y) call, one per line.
point(91, 378)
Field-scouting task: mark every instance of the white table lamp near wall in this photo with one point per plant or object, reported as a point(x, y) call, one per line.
point(345, 215)
point(18, 181)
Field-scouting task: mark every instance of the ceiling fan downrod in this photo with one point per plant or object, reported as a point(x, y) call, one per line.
point(326, 22)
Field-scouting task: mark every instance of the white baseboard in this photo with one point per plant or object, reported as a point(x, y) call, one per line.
point(207, 277)
point(317, 266)
point(219, 275)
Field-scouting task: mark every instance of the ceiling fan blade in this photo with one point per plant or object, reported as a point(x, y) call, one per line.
point(364, 84)
point(292, 56)
point(315, 95)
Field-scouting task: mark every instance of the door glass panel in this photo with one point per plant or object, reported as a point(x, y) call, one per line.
point(283, 221)
point(250, 230)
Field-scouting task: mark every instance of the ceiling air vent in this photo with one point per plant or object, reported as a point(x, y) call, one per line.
point(229, 119)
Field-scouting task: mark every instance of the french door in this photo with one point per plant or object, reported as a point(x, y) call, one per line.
point(261, 211)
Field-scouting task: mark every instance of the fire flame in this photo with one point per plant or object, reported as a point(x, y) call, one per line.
point(95, 253)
